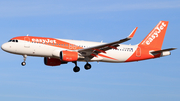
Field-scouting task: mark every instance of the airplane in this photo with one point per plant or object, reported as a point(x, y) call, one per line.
point(61, 51)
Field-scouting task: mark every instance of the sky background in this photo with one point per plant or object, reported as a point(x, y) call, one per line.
point(94, 20)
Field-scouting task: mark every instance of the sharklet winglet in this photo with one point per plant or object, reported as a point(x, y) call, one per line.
point(132, 33)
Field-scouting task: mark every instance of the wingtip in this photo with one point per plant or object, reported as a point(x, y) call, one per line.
point(132, 33)
point(173, 48)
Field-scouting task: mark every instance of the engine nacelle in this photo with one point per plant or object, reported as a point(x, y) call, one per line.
point(68, 56)
point(52, 61)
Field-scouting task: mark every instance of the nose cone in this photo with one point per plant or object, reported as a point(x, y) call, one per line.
point(4, 47)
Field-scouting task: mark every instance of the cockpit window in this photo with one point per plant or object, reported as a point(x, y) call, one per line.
point(13, 41)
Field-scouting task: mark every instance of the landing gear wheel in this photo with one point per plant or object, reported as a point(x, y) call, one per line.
point(23, 63)
point(87, 66)
point(76, 69)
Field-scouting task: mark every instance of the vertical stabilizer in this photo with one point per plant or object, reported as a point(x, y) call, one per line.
point(154, 39)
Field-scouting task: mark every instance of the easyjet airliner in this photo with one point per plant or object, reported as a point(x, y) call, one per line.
point(61, 51)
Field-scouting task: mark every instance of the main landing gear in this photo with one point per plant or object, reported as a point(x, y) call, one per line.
point(87, 66)
point(24, 63)
point(76, 68)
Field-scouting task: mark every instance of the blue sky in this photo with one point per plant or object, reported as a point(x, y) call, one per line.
point(95, 20)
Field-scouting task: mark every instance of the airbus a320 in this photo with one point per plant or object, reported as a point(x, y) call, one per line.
point(61, 51)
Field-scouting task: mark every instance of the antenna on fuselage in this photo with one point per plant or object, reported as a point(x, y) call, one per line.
point(27, 34)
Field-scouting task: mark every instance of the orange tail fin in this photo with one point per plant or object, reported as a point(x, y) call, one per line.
point(154, 39)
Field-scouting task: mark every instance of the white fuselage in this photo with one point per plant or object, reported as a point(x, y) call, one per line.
point(121, 54)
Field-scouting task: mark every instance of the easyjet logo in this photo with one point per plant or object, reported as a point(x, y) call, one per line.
point(155, 33)
point(44, 40)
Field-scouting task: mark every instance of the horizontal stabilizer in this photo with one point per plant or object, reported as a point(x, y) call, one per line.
point(160, 51)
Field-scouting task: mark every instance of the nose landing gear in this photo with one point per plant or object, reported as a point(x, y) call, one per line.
point(24, 63)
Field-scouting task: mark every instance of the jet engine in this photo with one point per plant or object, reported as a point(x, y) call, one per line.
point(68, 56)
point(52, 61)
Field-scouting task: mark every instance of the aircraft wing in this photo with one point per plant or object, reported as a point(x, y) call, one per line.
point(90, 52)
